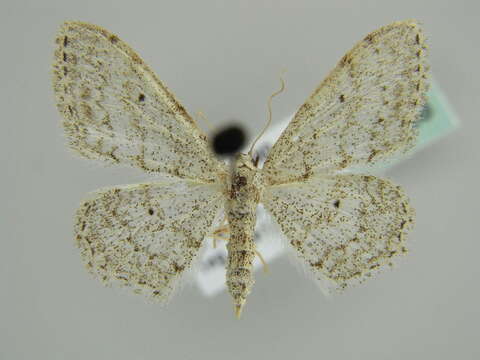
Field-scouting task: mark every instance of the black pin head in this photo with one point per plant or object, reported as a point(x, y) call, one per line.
point(229, 140)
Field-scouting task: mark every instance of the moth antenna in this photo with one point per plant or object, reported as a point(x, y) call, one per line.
point(269, 105)
point(201, 115)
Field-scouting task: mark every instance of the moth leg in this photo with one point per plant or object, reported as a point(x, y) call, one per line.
point(262, 260)
point(223, 229)
point(215, 238)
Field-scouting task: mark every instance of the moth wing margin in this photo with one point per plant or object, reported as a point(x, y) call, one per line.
point(145, 237)
point(362, 113)
point(344, 228)
point(117, 111)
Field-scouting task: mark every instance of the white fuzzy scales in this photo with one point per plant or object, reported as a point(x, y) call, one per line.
point(343, 227)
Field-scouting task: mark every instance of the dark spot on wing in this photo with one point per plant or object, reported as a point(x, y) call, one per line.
point(178, 268)
point(369, 38)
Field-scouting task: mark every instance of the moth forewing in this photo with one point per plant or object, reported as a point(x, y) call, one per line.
point(363, 112)
point(117, 111)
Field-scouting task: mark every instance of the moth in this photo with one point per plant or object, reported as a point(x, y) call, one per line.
point(343, 226)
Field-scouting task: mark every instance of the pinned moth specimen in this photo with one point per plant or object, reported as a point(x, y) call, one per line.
point(342, 226)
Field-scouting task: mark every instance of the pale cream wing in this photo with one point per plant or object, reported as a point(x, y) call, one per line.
point(146, 236)
point(343, 228)
point(117, 111)
point(363, 112)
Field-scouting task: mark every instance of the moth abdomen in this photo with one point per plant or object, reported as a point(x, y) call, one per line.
point(244, 195)
point(240, 272)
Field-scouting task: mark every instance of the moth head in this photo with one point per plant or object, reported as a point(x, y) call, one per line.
point(246, 160)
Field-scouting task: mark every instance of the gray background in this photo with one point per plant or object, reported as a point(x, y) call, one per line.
point(224, 57)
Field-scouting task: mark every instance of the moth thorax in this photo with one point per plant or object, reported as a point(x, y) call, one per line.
point(246, 180)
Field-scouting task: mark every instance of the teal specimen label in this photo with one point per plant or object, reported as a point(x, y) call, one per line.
point(438, 118)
